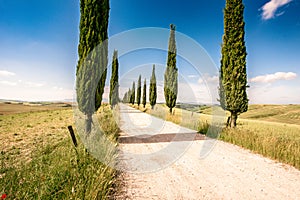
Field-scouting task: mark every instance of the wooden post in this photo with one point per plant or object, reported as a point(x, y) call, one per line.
point(72, 135)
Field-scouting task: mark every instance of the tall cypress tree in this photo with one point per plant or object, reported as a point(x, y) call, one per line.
point(152, 89)
point(125, 98)
point(139, 91)
point(129, 96)
point(171, 73)
point(233, 74)
point(144, 93)
point(92, 50)
point(114, 81)
point(132, 96)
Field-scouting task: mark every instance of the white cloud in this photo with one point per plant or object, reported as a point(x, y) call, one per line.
point(6, 73)
point(8, 83)
point(57, 88)
point(268, 78)
point(270, 8)
point(208, 79)
point(269, 94)
point(31, 84)
point(193, 76)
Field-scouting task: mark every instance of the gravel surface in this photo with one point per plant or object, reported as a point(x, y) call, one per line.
point(201, 169)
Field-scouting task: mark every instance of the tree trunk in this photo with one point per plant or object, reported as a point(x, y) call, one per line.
point(233, 120)
point(228, 121)
point(88, 124)
point(152, 107)
point(170, 110)
point(144, 106)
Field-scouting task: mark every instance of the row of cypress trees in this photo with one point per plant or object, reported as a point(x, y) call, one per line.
point(170, 80)
point(131, 97)
point(92, 64)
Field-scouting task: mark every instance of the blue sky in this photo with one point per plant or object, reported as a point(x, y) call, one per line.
point(39, 38)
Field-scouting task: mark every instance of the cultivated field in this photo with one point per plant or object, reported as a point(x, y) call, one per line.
point(39, 161)
point(7, 108)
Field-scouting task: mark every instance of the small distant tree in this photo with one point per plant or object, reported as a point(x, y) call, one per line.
point(144, 93)
point(114, 81)
point(132, 98)
point(125, 97)
point(152, 89)
point(233, 74)
point(129, 96)
point(171, 73)
point(139, 91)
point(92, 51)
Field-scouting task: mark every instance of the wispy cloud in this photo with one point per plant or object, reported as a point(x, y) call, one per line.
point(269, 94)
point(270, 8)
point(269, 78)
point(8, 83)
point(31, 84)
point(193, 76)
point(6, 73)
point(57, 88)
point(208, 79)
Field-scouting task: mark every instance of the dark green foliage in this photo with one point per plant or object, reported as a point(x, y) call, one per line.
point(125, 98)
point(233, 75)
point(152, 89)
point(132, 93)
point(92, 50)
point(139, 91)
point(129, 96)
point(114, 81)
point(171, 73)
point(144, 93)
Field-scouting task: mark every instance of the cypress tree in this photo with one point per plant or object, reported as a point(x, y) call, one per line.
point(129, 96)
point(114, 81)
point(92, 51)
point(171, 73)
point(144, 93)
point(233, 75)
point(132, 98)
point(152, 89)
point(125, 98)
point(139, 91)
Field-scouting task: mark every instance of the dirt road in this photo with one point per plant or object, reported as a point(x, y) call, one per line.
point(161, 161)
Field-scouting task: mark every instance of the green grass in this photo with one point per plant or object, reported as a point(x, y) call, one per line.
point(265, 129)
point(39, 161)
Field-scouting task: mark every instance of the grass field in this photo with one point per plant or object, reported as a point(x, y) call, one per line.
point(288, 114)
point(39, 161)
point(7, 108)
point(270, 130)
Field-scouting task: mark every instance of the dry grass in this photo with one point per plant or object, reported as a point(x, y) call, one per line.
point(270, 129)
point(9, 108)
point(39, 161)
point(289, 114)
point(23, 132)
point(204, 124)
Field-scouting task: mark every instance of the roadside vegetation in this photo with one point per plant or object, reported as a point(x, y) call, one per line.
point(39, 161)
point(275, 136)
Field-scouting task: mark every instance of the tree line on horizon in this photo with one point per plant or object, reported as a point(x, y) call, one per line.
point(92, 64)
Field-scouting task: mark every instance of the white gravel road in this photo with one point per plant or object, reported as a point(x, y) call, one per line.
point(158, 167)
